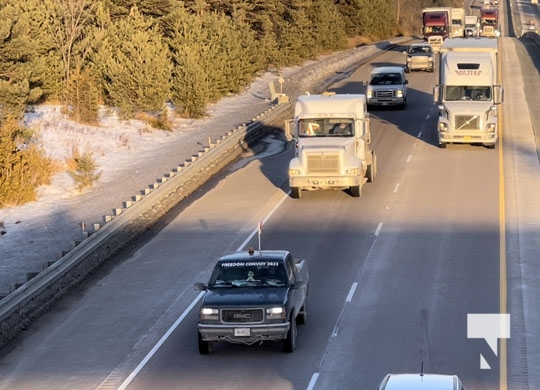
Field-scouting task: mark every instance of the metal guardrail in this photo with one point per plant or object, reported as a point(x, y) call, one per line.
point(35, 296)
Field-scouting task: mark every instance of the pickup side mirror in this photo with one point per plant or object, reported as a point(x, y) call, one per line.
point(199, 287)
point(406, 81)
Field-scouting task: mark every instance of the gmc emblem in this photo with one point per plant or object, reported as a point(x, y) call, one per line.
point(241, 315)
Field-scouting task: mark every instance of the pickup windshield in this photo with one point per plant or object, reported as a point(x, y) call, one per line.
point(248, 274)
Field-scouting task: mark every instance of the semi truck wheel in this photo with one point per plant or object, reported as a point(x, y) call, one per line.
point(296, 192)
point(442, 145)
point(372, 169)
point(355, 191)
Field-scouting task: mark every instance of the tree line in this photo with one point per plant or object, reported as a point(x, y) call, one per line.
point(135, 56)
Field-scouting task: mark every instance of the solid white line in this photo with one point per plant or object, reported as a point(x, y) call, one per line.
point(428, 115)
point(396, 188)
point(313, 381)
point(419, 135)
point(379, 228)
point(351, 292)
point(409, 158)
point(141, 365)
point(264, 220)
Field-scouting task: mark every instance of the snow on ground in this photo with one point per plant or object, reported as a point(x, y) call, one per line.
point(131, 156)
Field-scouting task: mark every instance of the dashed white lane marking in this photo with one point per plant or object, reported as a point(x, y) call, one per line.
point(379, 228)
point(313, 381)
point(351, 292)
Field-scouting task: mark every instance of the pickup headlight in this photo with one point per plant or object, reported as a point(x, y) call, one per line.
point(294, 172)
point(369, 93)
point(352, 171)
point(275, 313)
point(209, 314)
point(399, 93)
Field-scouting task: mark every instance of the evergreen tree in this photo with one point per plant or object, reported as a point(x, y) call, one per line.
point(135, 65)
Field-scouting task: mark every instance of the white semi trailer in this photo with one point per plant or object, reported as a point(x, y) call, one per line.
point(468, 92)
point(332, 134)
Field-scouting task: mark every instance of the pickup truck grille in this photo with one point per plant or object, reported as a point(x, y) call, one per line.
point(384, 93)
point(242, 315)
point(467, 122)
point(323, 163)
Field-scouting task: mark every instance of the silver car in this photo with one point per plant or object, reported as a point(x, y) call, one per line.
point(421, 382)
point(419, 57)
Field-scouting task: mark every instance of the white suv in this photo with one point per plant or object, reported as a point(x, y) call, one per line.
point(387, 86)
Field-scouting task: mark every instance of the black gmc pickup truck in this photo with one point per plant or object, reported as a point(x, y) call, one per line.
point(254, 296)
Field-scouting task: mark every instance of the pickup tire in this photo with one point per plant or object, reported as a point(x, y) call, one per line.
point(289, 344)
point(204, 346)
point(296, 192)
point(302, 314)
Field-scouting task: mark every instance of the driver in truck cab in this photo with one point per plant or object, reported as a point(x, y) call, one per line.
point(310, 129)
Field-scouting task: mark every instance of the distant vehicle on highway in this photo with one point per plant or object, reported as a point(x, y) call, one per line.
point(421, 382)
point(419, 57)
point(254, 296)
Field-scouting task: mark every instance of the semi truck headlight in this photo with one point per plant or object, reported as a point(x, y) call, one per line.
point(277, 312)
point(294, 172)
point(208, 313)
point(443, 126)
point(491, 127)
point(352, 171)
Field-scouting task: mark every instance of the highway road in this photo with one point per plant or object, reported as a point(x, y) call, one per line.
point(393, 273)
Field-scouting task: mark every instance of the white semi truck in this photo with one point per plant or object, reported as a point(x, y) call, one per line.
point(332, 134)
point(468, 92)
point(471, 26)
point(458, 23)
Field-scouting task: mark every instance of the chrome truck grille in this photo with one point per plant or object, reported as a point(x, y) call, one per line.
point(242, 315)
point(384, 93)
point(323, 163)
point(467, 122)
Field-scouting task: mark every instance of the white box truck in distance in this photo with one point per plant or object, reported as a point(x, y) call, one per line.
point(332, 134)
point(468, 92)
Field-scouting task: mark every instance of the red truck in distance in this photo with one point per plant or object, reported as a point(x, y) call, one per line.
point(489, 22)
point(436, 25)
